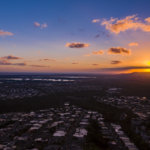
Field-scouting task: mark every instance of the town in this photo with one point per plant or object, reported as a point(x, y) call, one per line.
point(61, 128)
point(71, 113)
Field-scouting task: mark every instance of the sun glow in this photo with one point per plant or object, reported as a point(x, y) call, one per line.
point(148, 63)
point(147, 70)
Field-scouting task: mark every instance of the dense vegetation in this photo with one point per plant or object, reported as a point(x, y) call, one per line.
point(94, 139)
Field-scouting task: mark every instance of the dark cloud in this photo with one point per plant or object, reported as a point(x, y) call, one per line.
point(77, 45)
point(102, 34)
point(10, 57)
point(95, 64)
point(115, 62)
point(97, 35)
point(4, 62)
point(74, 63)
point(47, 59)
point(119, 50)
point(19, 64)
point(125, 68)
point(38, 66)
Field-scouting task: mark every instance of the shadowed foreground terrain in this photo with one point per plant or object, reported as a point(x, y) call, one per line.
point(66, 112)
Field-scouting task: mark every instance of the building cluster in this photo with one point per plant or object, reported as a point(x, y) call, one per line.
point(19, 88)
point(130, 145)
point(18, 93)
point(140, 106)
point(62, 128)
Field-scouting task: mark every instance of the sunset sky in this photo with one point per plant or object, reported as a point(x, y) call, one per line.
point(94, 36)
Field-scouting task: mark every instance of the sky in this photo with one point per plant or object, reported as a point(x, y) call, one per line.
point(94, 36)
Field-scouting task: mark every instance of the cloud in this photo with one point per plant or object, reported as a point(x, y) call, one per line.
point(97, 35)
point(37, 24)
point(38, 66)
point(95, 64)
point(125, 68)
point(7, 63)
point(77, 45)
point(112, 50)
point(5, 33)
point(87, 55)
point(116, 25)
point(147, 19)
point(19, 64)
point(100, 52)
point(47, 59)
point(10, 57)
point(74, 63)
point(102, 34)
point(133, 44)
point(115, 62)
point(95, 20)
point(42, 26)
point(119, 50)
point(4, 62)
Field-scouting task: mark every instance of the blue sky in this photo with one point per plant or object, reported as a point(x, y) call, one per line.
point(68, 21)
point(63, 16)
